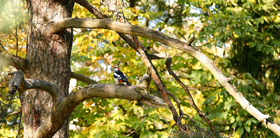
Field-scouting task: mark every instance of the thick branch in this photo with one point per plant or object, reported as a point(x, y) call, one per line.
point(69, 103)
point(158, 36)
point(99, 15)
point(147, 99)
point(63, 107)
point(19, 83)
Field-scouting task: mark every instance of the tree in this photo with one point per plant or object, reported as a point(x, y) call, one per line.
point(46, 104)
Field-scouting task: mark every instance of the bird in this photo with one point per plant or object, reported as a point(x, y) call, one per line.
point(120, 77)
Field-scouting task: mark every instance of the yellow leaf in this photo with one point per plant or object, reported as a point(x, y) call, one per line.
point(85, 131)
point(116, 37)
point(107, 33)
point(92, 33)
point(134, 22)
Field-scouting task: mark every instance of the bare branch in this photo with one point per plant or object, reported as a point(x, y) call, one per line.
point(63, 107)
point(190, 41)
point(201, 114)
point(14, 113)
point(69, 103)
point(159, 84)
point(158, 36)
point(99, 15)
point(15, 82)
point(82, 78)
point(146, 98)
point(19, 83)
point(146, 79)
point(91, 8)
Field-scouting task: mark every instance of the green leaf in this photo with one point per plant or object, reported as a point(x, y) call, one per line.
point(240, 130)
point(247, 128)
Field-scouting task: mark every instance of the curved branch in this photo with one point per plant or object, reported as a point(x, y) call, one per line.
point(19, 83)
point(190, 41)
point(14, 113)
point(69, 103)
point(146, 98)
point(158, 36)
point(64, 106)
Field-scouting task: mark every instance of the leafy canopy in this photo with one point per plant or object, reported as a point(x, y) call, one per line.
point(240, 36)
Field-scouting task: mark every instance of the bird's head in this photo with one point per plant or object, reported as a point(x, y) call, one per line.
point(116, 69)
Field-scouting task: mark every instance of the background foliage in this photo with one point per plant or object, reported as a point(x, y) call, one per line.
point(240, 36)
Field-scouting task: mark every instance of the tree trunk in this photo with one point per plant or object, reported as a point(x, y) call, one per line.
point(49, 60)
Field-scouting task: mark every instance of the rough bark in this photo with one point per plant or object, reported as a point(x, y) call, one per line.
point(48, 56)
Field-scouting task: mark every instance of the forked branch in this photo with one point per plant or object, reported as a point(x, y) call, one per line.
point(68, 104)
point(64, 106)
point(201, 114)
point(160, 85)
point(19, 83)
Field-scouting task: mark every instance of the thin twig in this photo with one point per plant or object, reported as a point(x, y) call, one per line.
point(19, 124)
point(159, 84)
point(13, 113)
point(2, 47)
point(82, 78)
point(171, 130)
point(16, 37)
point(201, 114)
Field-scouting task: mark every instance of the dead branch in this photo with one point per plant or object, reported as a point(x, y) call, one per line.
point(201, 114)
point(68, 104)
point(14, 113)
point(159, 85)
point(64, 106)
point(146, 79)
point(190, 41)
point(19, 83)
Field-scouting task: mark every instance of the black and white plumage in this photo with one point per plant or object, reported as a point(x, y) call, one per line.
point(120, 77)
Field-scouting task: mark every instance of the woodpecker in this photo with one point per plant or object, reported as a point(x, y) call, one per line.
point(120, 77)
